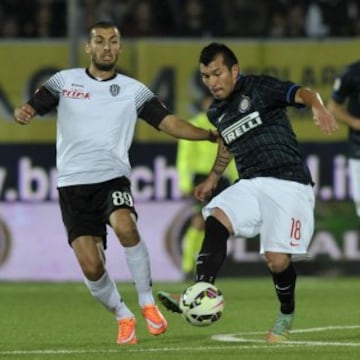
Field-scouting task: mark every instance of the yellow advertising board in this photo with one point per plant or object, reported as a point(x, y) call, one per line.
point(170, 69)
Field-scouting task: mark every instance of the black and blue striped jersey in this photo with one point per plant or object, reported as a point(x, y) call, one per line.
point(254, 125)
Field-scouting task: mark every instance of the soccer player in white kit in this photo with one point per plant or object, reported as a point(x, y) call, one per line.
point(97, 110)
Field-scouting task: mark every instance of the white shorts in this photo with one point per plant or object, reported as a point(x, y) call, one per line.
point(354, 173)
point(281, 211)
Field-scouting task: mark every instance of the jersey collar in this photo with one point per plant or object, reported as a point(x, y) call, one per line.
point(93, 77)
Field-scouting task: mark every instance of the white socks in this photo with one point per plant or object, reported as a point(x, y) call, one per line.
point(106, 292)
point(138, 261)
point(105, 289)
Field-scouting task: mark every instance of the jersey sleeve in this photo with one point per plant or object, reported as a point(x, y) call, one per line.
point(280, 93)
point(46, 98)
point(55, 84)
point(43, 101)
point(148, 106)
point(153, 112)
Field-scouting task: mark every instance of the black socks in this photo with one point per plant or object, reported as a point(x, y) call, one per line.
point(285, 288)
point(213, 251)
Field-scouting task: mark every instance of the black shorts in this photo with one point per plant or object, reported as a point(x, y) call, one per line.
point(86, 209)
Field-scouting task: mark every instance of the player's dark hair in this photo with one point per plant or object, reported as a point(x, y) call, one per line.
point(211, 51)
point(102, 25)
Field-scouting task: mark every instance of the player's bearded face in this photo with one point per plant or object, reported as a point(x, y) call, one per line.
point(104, 48)
point(100, 64)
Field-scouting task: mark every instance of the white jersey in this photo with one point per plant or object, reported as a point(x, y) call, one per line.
point(95, 126)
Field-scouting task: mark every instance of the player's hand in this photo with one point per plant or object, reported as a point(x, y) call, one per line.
point(203, 191)
point(325, 120)
point(24, 113)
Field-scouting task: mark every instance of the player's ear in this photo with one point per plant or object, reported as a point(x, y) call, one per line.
point(235, 71)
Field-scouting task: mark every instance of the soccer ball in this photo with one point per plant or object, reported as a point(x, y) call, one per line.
point(202, 304)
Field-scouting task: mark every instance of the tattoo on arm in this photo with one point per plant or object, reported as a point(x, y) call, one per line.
point(222, 160)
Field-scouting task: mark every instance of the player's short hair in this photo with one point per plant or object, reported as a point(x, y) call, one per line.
point(211, 51)
point(101, 25)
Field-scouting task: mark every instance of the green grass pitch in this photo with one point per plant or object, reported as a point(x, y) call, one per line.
point(62, 321)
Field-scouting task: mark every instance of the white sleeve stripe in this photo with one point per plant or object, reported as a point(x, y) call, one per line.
point(55, 83)
point(144, 94)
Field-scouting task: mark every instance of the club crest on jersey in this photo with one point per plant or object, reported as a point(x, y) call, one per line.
point(114, 89)
point(245, 104)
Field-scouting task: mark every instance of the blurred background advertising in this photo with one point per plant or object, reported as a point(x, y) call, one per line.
point(305, 41)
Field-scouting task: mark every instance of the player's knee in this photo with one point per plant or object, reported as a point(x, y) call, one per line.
point(127, 235)
point(93, 269)
point(277, 262)
point(125, 228)
point(221, 217)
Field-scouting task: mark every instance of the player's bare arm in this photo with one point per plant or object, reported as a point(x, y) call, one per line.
point(223, 157)
point(182, 129)
point(342, 115)
point(24, 113)
point(323, 118)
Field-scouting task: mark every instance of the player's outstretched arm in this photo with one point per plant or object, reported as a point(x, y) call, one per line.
point(182, 129)
point(323, 118)
point(24, 113)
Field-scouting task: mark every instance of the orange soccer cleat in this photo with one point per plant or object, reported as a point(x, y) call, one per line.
point(127, 333)
point(155, 321)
